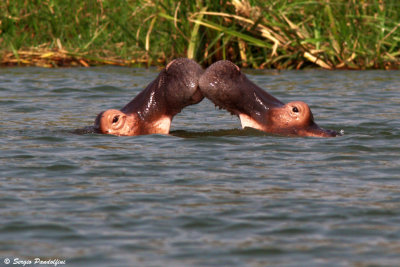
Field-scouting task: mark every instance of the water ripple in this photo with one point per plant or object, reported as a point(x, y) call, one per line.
point(208, 194)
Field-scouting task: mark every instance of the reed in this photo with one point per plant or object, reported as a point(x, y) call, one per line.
point(283, 34)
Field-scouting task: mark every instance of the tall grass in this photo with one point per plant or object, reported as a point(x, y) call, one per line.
point(354, 34)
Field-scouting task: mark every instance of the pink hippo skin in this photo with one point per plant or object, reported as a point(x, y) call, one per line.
point(152, 110)
point(225, 85)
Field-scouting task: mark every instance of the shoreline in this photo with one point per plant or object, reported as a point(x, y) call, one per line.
point(56, 58)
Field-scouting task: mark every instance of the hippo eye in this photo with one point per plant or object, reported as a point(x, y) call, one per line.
point(115, 119)
point(295, 109)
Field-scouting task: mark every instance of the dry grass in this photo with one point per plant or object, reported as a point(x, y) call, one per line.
point(49, 58)
point(282, 34)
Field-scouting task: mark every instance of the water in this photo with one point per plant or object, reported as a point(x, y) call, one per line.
point(209, 194)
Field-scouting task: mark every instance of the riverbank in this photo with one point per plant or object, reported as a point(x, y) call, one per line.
point(281, 34)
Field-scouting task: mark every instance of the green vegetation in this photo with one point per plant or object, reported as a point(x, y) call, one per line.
point(349, 34)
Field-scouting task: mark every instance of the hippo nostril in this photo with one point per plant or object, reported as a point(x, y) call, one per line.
point(295, 109)
point(115, 119)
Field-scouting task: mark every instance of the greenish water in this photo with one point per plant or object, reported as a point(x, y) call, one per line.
point(209, 194)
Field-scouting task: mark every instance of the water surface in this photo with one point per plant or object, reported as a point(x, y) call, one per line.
point(209, 194)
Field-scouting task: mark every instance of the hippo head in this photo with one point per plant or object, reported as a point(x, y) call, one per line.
point(115, 122)
point(152, 110)
point(227, 87)
point(295, 118)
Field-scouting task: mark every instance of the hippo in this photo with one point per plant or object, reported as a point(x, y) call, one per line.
point(228, 88)
point(152, 110)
